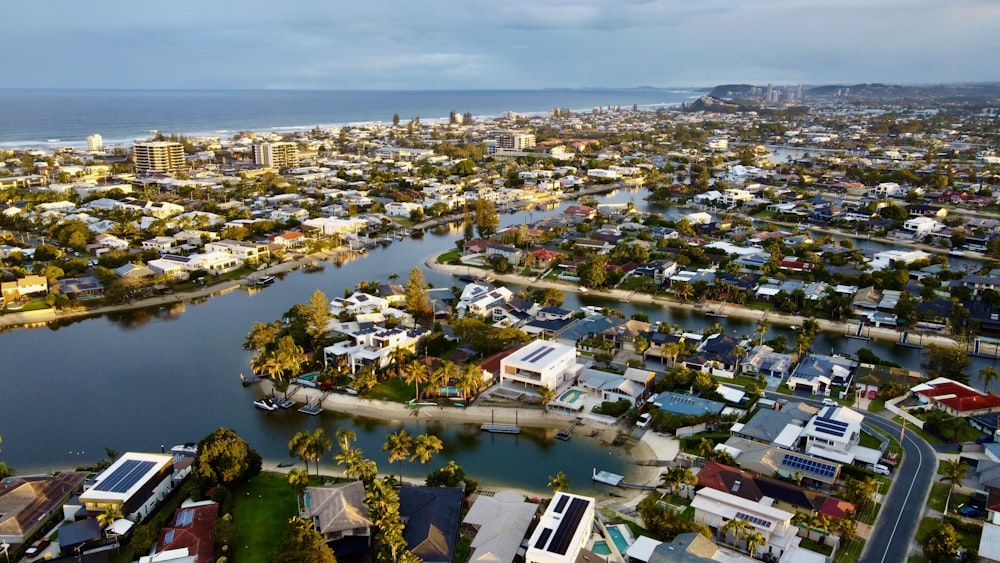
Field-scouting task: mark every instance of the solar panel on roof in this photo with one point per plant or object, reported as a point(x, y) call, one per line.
point(561, 504)
point(809, 465)
point(830, 431)
point(168, 537)
point(127, 475)
point(184, 518)
point(754, 520)
point(567, 527)
point(542, 538)
point(541, 355)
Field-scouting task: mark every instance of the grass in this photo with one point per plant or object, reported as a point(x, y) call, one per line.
point(938, 496)
point(968, 535)
point(927, 436)
point(36, 305)
point(447, 257)
point(850, 552)
point(812, 545)
point(869, 441)
point(394, 390)
point(876, 405)
point(259, 510)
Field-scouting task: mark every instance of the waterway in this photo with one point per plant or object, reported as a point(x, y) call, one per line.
point(161, 376)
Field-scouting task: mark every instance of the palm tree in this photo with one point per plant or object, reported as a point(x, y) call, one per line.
point(109, 516)
point(706, 447)
point(671, 350)
point(987, 375)
point(445, 372)
point(952, 471)
point(755, 540)
point(398, 445)
point(351, 459)
point(393, 277)
point(469, 379)
point(820, 523)
point(424, 448)
point(268, 364)
point(801, 519)
point(736, 526)
point(319, 444)
point(298, 447)
point(761, 329)
point(684, 291)
point(545, 396)
point(810, 326)
point(738, 352)
point(415, 374)
point(344, 438)
point(558, 483)
point(688, 479)
point(671, 478)
point(299, 481)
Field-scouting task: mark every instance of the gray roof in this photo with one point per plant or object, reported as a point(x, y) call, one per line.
point(432, 518)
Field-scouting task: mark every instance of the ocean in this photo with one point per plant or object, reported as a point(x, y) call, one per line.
point(49, 118)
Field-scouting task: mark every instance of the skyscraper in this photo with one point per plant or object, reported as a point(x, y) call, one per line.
point(95, 143)
point(158, 157)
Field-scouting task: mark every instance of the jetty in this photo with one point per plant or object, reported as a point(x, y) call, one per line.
point(313, 407)
point(565, 434)
point(979, 352)
point(718, 313)
point(607, 477)
point(501, 428)
point(859, 333)
point(904, 340)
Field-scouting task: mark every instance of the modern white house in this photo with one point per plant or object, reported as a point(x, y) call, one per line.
point(563, 531)
point(373, 346)
point(835, 434)
point(483, 301)
point(714, 508)
point(133, 484)
point(921, 226)
point(540, 364)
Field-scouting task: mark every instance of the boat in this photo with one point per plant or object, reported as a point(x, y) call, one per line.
point(286, 464)
point(263, 281)
point(265, 404)
point(583, 289)
point(956, 252)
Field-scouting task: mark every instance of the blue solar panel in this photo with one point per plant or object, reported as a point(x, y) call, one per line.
point(831, 422)
point(184, 518)
point(168, 537)
point(809, 465)
point(830, 431)
point(125, 476)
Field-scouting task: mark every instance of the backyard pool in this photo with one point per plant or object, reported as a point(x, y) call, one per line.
point(571, 396)
point(622, 537)
point(601, 548)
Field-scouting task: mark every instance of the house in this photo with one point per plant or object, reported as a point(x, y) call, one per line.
point(818, 372)
point(956, 398)
point(253, 252)
point(714, 508)
point(430, 517)
point(25, 501)
point(762, 359)
point(75, 288)
point(481, 301)
point(623, 336)
point(358, 303)
point(715, 355)
point(23, 287)
point(540, 364)
point(679, 403)
point(767, 460)
point(781, 428)
point(339, 512)
point(501, 522)
point(190, 533)
point(563, 530)
point(134, 484)
point(512, 254)
point(609, 387)
point(373, 346)
point(580, 212)
point(777, 493)
point(835, 434)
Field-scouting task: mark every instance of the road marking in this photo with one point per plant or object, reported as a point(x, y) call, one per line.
point(920, 462)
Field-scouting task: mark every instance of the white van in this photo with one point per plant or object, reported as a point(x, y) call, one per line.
point(880, 469)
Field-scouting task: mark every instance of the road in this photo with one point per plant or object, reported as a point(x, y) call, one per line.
point(902, 508)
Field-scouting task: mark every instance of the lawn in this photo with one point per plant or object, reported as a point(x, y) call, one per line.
point(447, 257)
point(968, 534)
point(260, 510)
point(393, 389)
point(869, 441)
point(850, 552)
point(938, 496)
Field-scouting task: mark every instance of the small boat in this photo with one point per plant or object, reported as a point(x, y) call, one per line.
point(264, 281)
point(286, 464)
point(265, 404)
point(583, 289)
point(956, 252)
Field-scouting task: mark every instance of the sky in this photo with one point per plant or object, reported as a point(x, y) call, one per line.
point(493, 44)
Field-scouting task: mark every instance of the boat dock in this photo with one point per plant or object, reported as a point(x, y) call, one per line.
point(859, 333)
point(979, 352)
point(565, 434)
point(313, 407)
point(904, 340)
point(607, 477)
point(500, 428)
point(718, 313)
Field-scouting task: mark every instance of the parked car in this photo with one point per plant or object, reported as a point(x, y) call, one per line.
point(37, 547)
point(970, 511)
point(644, 420)
point(828, 402)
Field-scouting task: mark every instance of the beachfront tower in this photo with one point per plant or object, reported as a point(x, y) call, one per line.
point(158, 157)
point(276, 155)
point(95, 143)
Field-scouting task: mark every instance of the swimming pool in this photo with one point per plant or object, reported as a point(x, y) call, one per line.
point(571, 396)
point(449, 391)
point(622, 537)
point(601, 548)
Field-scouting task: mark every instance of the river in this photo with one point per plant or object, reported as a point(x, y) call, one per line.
point(162, 376)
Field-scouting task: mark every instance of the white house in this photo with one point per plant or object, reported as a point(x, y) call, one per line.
point(358, 303)
point(714, 508)
point(373, 346)
point(540, 364)
point(921, 226)
point(133, 484)
point(563, 531)
point(483, 301)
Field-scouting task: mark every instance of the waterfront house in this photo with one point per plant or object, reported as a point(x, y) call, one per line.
point(611, 387)
point(562, 532)
point(781, 428)
point(680, 403)
point(714, 508)
point(23, 287)
point(763, 359)
point(540, 364)
point(818, 372)
point(340, 515)
point(25, 501)
point(134, 484)
point(956, 398)
point(430, 517)
point(501, 522)
point(482, 301)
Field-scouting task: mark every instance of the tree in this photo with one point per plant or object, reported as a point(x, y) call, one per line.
point(952, 471)
point(469, 379)
point(640, 345)
point(415, 290)
point(109, 516)
point(847, 527)
point(395, 120)
point(755, 540)
point(223, 458)
point(820, 523)
point(545, 396)
point(415, 374)
point(310, 447)
point(559, 482)
point(861, 492)
point(735, 526)
point(942, 543)
point(487, 218)
point(317, 316)
point(425, 446)
point(593, 272)
point(945, 361)
point(398, 445)
point(302, 544)
point(298, 480)
point(450, 474)
point(988, 375)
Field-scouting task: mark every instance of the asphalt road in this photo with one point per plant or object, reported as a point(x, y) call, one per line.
point(902, 508)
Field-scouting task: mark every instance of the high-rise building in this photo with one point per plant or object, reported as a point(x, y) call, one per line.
point(276, 155)
point(158, 157)
point(95, 143)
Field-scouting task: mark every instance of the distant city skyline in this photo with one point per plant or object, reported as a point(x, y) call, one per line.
point(517, 44)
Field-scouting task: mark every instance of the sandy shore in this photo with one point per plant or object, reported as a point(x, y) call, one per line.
point(730, 309)
point(643, 454)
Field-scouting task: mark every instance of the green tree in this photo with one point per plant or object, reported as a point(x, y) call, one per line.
point(952, 471)
point(223, 458)
point(559, 482)
point(415, 374)
point(109, 516)
point(754, 540)
point(415, 291)
point(298, 480)
point(945, 361)
point(317, 317)
point(736, 527)
point(450, 474)
point(594, 273)
point(399, 446)
point(861, 492)
point(546, 395)
point(425, 447)
point(942, 543)
point(487, 218)
point(302, 544)
point(988, 375)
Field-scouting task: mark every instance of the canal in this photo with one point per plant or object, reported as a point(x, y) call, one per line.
point(163, 376)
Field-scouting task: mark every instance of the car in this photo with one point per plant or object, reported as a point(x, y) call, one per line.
point(644, 420)
point(37, 547)
point(881, 469)
point(984, 440)
point(828, 402)
point(970, 511)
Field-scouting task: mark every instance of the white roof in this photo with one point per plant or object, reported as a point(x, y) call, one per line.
point(830, 454)
point(788, 436)
point(126, 476)
point(730, 394)
point(503, 520)
point(642, 548)
point(727, 505)
point(989, 542)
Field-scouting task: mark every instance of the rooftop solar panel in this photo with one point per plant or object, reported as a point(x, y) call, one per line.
point(754, 520)
point(168, 537)
point(184, 518)
point(830, 431)
point(809, 465)
point(567, 527)
point(545, 352)
point(542, 538)
point(561, 504)
point(125, 476)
